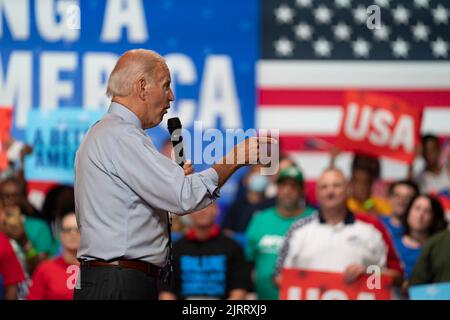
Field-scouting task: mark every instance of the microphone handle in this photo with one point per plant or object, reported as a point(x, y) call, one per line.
point(177, 143)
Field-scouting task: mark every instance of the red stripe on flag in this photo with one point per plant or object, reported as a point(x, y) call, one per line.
point(289, 143)
point(311, 143)
point(320, 97)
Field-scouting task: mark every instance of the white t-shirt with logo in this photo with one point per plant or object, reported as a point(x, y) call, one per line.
point(319, 246)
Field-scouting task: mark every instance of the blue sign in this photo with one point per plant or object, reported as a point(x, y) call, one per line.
point(55, 136)
point(211, 48)
point(435, 291)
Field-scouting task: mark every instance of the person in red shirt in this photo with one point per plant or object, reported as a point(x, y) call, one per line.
point(55, 279)
point(10, 270)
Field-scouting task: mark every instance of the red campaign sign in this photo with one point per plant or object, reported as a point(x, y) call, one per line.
point(380, 125)
point(314, 285)
point(5, 131)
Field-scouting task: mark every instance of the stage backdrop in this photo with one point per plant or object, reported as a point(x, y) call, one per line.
point(47, 64)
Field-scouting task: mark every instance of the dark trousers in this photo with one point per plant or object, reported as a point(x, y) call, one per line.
point(115, 283)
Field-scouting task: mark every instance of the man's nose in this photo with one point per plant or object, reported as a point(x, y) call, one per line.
point(171, 95)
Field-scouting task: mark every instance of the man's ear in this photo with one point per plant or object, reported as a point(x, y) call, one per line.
point(141, 88)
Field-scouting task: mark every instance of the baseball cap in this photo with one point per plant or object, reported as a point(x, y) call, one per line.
point(291, 172)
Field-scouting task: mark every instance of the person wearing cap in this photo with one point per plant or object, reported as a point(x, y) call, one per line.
point(266, 231)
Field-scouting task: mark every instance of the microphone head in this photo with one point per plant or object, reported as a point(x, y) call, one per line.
point(173, 124)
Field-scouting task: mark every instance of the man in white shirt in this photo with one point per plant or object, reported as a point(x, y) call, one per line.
point(333, 240)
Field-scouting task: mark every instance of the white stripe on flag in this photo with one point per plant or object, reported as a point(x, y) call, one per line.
point(325, 120)
point(313, 164)
point(337, 74)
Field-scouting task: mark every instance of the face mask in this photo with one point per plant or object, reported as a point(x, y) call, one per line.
point(258, 183)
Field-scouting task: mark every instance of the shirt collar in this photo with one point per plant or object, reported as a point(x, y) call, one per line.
point(349, 218)
point(124, 113)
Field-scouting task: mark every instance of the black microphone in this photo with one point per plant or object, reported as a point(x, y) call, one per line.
point(174, 126)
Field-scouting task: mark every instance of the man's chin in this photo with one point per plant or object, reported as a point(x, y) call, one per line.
point(332, 206)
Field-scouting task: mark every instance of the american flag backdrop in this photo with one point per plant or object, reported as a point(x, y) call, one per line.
point(312, 52)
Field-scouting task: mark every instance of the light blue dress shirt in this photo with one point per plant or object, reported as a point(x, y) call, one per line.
point(124, 188)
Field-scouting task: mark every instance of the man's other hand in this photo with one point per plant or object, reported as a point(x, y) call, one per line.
point(188, 168)
point(353, 272)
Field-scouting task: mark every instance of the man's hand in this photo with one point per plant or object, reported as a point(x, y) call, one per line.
point(188, 168)
point(26, 150)
point(247, 152)
point(277, 281)
point(244, 153)
point(353, 272)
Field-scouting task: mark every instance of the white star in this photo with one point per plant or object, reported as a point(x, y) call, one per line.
point(284, 14)
point(322, 14)
point(440, 48)
point(342, 31)
point(342, 3)
point(284, 47)
point(304, 3)
point(420, 32)
point(400, 48)
point(401, 15)
point(382, 33)
point(360, 14)
point(303, 31)
point(382, 3)
point(440, 14)
point(421, 3)
point(322, 47)
point(361, 48)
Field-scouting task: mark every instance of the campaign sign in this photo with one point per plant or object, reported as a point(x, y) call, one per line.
point(435, 291)
point(380, 125)
point(55, 136)
point(314, 285)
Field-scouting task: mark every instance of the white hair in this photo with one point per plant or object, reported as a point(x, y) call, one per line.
point(132, 66)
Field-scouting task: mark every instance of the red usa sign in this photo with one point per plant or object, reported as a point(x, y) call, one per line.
point(380, 125)
point(315, 285)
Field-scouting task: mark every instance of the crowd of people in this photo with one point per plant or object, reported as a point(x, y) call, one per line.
point(240, 253)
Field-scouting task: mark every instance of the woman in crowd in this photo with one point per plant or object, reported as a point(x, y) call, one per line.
point(423, 217)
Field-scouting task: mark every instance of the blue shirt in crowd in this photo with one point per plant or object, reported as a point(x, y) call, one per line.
point(408, 256)
point(395, 231)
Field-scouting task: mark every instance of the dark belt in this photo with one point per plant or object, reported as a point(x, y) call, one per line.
point(148, 268)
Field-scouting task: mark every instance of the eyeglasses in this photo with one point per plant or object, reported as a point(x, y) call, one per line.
point(68, 230)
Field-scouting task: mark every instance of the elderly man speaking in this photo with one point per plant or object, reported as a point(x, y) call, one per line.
point(124, 187)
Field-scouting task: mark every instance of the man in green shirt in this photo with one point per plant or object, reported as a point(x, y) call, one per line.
point(434, 262)
point(267, 229)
